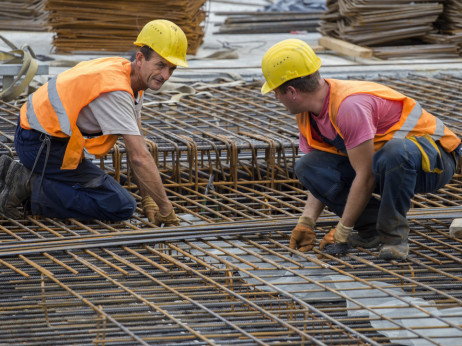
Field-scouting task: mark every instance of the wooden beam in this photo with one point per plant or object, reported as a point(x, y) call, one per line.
point(345, 48)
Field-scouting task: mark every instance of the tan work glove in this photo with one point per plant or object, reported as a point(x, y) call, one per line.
point(328, 239)
point(302, 237)
point(168, 220)
point(150, 208)
point(335, 242)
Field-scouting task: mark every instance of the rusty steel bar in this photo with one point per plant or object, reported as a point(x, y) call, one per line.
point(227, 274)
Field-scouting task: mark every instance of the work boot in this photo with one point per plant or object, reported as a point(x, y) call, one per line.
point(394, 252)
point(365, 242)
point(5, 162)
point(16, 191)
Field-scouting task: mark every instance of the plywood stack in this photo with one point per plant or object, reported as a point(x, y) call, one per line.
point(376, 22)
point(112, 25)
point(24, 15)
point(394, 27)
point(451, 20)
point(449, 25)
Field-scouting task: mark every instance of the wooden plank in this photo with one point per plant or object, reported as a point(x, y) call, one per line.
point(345, 48)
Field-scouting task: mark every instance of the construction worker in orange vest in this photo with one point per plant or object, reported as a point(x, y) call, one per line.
point(79, 115)
point(359, 138)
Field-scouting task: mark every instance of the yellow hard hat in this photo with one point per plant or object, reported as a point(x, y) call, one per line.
point(166, 39)
point(287, 60)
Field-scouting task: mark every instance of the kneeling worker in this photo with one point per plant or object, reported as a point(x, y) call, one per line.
point(84, 110)
point(358, 137)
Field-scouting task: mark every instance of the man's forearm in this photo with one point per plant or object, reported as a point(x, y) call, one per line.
point(358, 197)
point(149, 181)
point(313, 208)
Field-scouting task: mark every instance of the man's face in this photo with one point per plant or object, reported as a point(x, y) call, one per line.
point(287, 99)
point(155, 71)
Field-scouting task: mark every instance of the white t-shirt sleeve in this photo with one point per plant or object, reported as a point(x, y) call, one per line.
point(139, 105)
point(111, 113)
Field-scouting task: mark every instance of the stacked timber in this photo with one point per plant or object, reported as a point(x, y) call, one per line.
point(113, 25)
point(451, 19)
point(269, 22)
point(392, 29)
point(449, 25)
point(372, 22)
point(23, 15)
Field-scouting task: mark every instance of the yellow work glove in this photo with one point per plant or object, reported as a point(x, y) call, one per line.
point(150, 208)
point(302, 237)
point(168, 220)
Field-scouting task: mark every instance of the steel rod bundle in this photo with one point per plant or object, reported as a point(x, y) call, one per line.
point(113, 25)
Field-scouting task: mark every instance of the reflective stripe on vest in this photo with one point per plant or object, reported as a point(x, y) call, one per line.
point(54, 108)
point(411, 123)
point(58, 107)
point(414, 119)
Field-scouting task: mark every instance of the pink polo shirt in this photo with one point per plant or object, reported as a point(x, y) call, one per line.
point(360, 117)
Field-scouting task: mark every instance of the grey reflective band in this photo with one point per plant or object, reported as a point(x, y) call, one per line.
point(88, 155)
point(57, 105)
point(439, 131)
point(32, 117)
point(410, 122)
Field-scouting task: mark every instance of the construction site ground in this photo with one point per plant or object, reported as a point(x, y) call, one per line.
point(227, 276)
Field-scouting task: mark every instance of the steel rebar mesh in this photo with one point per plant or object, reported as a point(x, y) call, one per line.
point(227, 275)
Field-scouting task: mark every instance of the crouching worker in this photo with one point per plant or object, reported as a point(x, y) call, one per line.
point(358, 137)
point(81, 113)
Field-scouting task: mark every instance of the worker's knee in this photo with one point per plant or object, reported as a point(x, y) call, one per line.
point(307, 169)
point(325, 175)
point(119, 205)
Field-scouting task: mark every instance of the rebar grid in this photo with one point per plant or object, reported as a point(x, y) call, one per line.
point(237, 287)
point(227, 275)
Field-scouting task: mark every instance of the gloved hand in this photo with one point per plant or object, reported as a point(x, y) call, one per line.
point(168, 220)
point(335, 242)
point(302, 237)
point(328, 239)
point(150, 208)
point(342, 233)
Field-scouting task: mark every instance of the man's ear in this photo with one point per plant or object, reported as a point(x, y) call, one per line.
point(292, 92)
point(139, 58)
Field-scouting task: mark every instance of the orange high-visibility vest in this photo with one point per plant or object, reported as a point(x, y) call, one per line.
point(54, 108)
point(414, 121)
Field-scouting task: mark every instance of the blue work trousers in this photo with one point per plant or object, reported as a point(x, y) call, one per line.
point(398, 172)
point(84, 193)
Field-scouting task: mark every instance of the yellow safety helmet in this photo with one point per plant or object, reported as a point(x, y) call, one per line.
point(287, 60)
point(166, 39)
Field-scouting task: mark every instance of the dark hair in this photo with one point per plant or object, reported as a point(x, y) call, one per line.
point(147, 52)
point(308, 83)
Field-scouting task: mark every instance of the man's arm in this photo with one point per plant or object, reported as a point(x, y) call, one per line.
point(302, 237)
point(363, 184)
point(313, 207)
point(145, 172)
